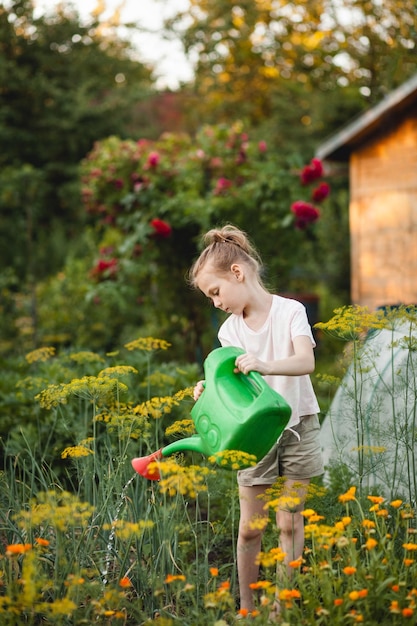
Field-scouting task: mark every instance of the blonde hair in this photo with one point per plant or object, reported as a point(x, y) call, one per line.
point(223, 247)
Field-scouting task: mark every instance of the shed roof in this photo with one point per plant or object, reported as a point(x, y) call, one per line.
point(339, 146)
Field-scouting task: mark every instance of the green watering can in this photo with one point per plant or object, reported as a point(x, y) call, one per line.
point(235, 412)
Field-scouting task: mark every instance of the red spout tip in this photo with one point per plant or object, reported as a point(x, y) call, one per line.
point(141, 465)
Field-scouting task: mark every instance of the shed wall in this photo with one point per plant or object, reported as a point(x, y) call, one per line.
point(383, 217)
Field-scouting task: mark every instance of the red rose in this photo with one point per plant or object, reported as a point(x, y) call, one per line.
point(162, 229)
point(153, 159)
point(222, 185)
point(321, 192)
point(311, 172)
point(305, 213)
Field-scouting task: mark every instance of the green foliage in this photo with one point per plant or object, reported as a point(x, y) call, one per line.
point(64, 85)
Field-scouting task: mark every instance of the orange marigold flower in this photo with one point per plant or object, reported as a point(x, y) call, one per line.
point(371, 543)
point(171, 578)
point(224, 585)
point(289, 594)
point(125, 582)
point(296, 563)
point(41, 542)
point(407, 612)
point(243, 612)
point(348, 496)
point(408, 562)
point(368, 523)
point(410, 546)
point(214, 571)
point(349, 570)
point(376, 499)
point(254, 613)
point(395, 588)
point(394, 607)
point(261, 584)
point(17, 548)
point(396, 503)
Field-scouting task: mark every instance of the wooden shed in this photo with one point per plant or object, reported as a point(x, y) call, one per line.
point(380, 148)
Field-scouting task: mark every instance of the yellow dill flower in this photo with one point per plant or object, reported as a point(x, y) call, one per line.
point(285, 503)
point(158, 380)
point(88, 387)
point(368, 450)
point(125, 530)
point(52, 396)
point(94, 387)
point(270, 558)
point(85, 357)
point(352, 322)
point(120, 418)
point(233, 459)
point(181, 427)
point(328, 379)
point(158, 406)
point(31, 383)
point(60, 509)
point(220, 599)
point(348, 496)
point(258, 523)
point(177, 479)
point(118, 370)
point(63, 606)
point(148, 344)
point(298, 491)
point(40, 355)
point(76, 452)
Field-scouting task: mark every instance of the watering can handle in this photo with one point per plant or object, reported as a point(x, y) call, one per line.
point(256, 377)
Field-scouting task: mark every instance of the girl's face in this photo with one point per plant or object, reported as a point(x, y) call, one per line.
point(225, 290)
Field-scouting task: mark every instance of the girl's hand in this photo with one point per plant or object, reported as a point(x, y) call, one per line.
point(246, 363)
point(198, 389)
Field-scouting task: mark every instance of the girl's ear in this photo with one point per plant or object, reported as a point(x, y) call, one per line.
point(237, 270)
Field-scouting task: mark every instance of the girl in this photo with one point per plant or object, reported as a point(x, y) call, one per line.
point(275, 334)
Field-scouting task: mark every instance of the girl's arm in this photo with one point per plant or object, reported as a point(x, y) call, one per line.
point(301, 362)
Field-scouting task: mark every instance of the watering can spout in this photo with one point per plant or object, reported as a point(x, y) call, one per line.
point(192, 444)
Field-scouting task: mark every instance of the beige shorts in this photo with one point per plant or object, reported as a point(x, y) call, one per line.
point(292, 457)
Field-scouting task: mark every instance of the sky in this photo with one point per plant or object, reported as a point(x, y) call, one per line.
point(168, 58)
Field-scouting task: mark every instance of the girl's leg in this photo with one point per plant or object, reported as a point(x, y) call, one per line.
point(291, 523)
point(249, 541)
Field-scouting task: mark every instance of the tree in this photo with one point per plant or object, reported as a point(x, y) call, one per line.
point(64, 85)
point(303, 67)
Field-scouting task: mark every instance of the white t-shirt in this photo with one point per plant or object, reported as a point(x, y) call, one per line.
point(287, 319)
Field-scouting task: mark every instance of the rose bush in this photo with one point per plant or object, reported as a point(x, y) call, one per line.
point(151, 200)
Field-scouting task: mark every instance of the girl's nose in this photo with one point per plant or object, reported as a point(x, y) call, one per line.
point(217, 303)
